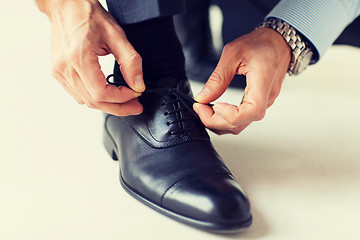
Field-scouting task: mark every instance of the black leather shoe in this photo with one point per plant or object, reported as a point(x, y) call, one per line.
point(168, 162)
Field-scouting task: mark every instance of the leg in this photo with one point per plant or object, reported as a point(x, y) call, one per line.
point(135, 11)
point(193, 29)
point(166, 158)
point(195, 36)
point(149, 27)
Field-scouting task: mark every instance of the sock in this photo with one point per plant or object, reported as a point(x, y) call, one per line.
point(158, 45)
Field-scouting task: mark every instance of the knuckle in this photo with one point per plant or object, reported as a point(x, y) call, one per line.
point(98, 96)
point(260, 114)
point(235, 122)
point(55, 73)
point(91, 105)
point(56, 63)
point(236, 131)
point(80, 102)
point(134, 59)
point(272, 98)
point(218, 132)
point(56, 66)
point(216, 78)
point(113, 30)
point(228, 47)
point(117, 29)
point(274, 94)
point(270, 103)
point(58, 75)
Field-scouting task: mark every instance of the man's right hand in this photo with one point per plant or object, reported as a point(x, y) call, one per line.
point(82, 31)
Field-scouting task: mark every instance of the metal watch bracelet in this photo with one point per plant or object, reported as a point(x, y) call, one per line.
point(301, 53)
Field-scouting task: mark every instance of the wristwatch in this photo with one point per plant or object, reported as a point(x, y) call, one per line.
point(302, 52)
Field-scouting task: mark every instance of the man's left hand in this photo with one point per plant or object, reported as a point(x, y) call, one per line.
point(263, 56)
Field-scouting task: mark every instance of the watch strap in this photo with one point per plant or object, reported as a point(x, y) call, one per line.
point(295, 41)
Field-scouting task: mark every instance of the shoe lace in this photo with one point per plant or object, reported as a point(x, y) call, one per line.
point(178, 98)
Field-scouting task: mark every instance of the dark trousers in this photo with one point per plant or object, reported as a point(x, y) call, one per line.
point(134, 11)
point(240, 16)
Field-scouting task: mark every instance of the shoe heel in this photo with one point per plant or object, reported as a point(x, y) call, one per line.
point(110, 145)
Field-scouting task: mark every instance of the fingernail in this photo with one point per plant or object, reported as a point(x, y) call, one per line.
point(202, 94)
point(195, 107)
point(139, 83)
point(137, 94)
point(217, 108)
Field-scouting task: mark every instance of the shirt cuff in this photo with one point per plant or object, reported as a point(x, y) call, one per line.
point(321, 22)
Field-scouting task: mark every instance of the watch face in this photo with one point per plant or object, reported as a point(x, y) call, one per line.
point(303, 61)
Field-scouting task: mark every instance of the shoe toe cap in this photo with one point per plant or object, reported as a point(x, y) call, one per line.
point(215, 199)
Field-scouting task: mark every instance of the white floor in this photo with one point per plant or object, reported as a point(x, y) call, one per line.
point(300, 166)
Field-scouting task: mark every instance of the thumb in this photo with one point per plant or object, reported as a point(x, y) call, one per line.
point(219, 79)
point(129, 60)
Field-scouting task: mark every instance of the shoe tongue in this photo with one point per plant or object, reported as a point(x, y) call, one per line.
point(164, 82)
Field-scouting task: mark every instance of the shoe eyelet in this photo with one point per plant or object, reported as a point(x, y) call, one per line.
point(163, 104)
point(166, 113)
point(168, 123)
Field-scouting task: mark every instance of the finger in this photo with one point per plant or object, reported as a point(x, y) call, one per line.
point(209, 118)
point(94, 80)
point(129, 60)
point(220, 78)
point(62, 80)
point(254, 103)
point(274, 93)
point(74, 81)
point(272, 99)
point(235, 131)
point(240, 128)
point(132, 107)
point(215, 122)
point(71, 92)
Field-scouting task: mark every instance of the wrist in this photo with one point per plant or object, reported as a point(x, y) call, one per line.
point(282, 50)
point(301, 49)
point(278, 42)
point(55, 7)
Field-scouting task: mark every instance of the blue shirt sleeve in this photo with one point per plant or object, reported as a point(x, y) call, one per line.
point(320, 21)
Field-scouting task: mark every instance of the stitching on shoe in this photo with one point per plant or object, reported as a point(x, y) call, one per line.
point(168, 143)
point(192, 177)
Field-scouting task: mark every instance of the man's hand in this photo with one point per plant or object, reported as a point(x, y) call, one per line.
point(82, 31)
point(264, 57)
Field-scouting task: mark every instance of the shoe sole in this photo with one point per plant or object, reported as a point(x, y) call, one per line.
point(111, 148)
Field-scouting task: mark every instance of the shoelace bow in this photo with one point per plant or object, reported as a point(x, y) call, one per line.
point(179, 97)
